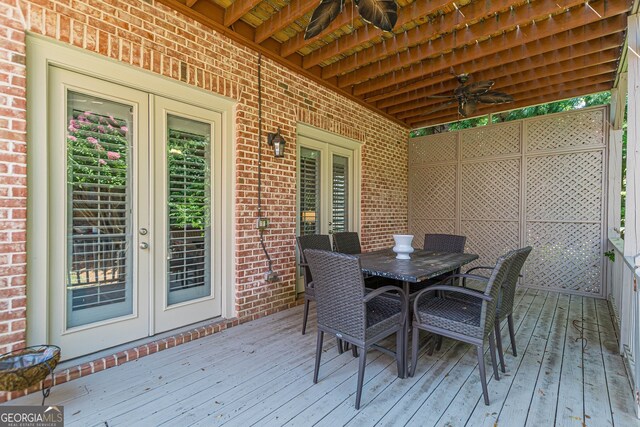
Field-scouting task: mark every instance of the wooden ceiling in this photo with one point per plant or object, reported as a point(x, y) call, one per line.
point(535, 50)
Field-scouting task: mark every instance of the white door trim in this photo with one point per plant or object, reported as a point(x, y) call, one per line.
point(331, 138)
point(328, 143)
point(42, 52)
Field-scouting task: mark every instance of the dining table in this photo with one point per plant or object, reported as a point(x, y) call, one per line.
point(422, 266)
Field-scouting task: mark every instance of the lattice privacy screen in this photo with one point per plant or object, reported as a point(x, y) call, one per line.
point(538, 182)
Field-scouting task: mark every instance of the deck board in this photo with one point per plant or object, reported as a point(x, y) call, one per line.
point(570, 408)
point(260, 373)
point(542, 408)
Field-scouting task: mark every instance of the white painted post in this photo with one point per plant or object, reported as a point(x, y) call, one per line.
point(618, 103)
point(613, 270)
point(632, 218)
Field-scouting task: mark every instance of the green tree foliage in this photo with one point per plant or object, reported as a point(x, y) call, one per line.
point(554, 107)
point(96, 151)
point(188, 177)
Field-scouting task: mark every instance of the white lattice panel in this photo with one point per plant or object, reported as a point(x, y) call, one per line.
point(560, 212)
point(433, 192)
point(491, 190)
point(491, 141)
point(420, 227)
point(565, 187)
point(490, 239)
point(565, 256)
point(437, 148)
point(559, 131)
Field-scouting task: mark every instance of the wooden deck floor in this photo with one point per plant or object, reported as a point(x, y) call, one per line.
point(567, 373)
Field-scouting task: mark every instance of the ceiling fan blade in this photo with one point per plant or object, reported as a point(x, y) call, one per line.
point(322, 16)
point(478, 88)
point(466, 108)
point(381, 13)
point(494, 97)
point(440, 96)
point(442, 107)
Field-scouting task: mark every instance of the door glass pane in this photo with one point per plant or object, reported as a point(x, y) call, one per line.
point(189, 209)
point(99, 258)
point(309, 191)
point(340, 196)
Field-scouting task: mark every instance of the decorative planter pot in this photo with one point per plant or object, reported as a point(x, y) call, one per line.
point(403, 245)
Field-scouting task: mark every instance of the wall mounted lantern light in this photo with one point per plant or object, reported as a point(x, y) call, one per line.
point(277, 142)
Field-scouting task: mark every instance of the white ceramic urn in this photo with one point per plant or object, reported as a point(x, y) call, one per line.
point(403, 245)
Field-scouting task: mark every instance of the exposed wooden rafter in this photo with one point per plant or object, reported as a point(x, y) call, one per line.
point(575, 18)
point(533, 50)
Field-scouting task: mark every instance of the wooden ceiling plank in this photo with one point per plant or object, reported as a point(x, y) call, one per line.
point(596, 74)
point(538, 99)
point(190, 3)
point(417, 37)
point(520, 58)
point(285, 17)
point(524, 70)
point(237, 10)
point(369, 33)
point(542, 30)
point(220, 28)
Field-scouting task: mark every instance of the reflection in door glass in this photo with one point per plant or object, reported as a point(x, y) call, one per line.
point(340, 196)
point(309, 171)
point(189, 209)
point(98, 257)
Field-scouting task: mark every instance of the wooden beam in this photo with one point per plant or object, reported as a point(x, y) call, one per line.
point(512, 39)
point(410, 13)
point(237, 10)
point(282, 19)
point(220, 28)
point(190, 3)
point(210, 10)
point(422, 46)
point(567, 47)
point(564, 81)
point(514, 73)
point(536, 99)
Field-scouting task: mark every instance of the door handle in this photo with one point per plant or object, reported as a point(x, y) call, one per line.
point(144, 245)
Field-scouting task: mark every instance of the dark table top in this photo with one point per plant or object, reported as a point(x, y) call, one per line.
point(423, 264)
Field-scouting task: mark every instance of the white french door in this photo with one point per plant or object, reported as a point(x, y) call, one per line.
point(185, 224)
point(133, 187)
point(327, 200)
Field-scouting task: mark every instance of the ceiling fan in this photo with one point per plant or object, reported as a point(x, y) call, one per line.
point(469, 95)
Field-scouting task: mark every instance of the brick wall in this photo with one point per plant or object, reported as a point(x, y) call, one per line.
point(153, 37)
point(13, 178)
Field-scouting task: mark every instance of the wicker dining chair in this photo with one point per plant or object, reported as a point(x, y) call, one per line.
point(310, 241)
point(347, 310)
point(507, 295)
point(444, 243)
point(436, 312)
point(438, 243)
point(347, 242)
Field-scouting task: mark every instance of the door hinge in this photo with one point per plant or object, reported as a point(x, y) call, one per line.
point(635, 284)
